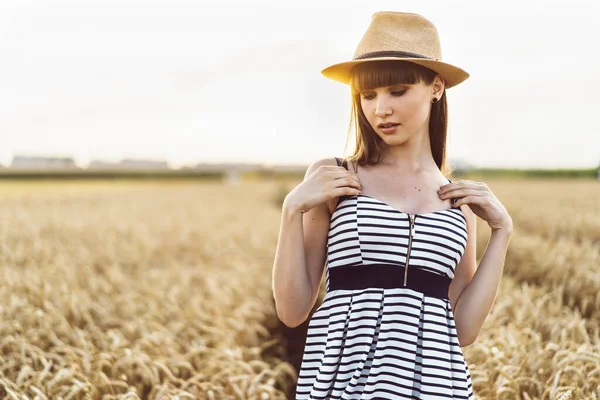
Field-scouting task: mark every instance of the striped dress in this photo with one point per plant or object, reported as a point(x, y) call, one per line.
point(384, 331)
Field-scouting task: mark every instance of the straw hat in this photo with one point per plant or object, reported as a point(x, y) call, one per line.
point(399, 36)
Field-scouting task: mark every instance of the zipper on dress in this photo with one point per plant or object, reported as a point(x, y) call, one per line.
point(410, 236)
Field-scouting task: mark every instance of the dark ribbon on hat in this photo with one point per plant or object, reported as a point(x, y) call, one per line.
point(392, 53)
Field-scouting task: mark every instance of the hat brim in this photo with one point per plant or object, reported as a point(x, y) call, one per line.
point(452, 75)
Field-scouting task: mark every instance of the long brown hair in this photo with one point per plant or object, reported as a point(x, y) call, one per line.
point(367, 76)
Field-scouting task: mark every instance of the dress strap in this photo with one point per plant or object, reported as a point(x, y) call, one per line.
point(341, 163)
point(452, 200)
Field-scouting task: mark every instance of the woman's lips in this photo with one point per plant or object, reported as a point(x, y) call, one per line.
point(387, 124)
point(389, 129)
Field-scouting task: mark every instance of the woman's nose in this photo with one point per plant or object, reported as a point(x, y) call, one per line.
point(382, 108)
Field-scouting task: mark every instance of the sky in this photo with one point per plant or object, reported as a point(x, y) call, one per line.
point(199, 82)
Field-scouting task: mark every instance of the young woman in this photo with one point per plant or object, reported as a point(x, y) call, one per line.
point(396, 237)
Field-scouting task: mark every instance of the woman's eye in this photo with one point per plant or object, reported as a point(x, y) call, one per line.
point(370, 96)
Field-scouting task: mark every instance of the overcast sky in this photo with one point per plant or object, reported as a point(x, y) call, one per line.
point(200, 81)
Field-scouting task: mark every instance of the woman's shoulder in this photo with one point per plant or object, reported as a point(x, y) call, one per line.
point(328, 161)
point(315, 165)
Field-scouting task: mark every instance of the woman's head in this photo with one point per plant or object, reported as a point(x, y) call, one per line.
point(399, 92)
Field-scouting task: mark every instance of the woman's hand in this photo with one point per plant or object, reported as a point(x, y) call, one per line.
point(481, 200)
point(324, 184)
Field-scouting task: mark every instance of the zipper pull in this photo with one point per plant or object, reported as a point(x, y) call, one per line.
point(412, 226)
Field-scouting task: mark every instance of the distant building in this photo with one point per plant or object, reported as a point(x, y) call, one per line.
point(98, 164)
point(129, 163)
point(41, 162)
point(227, 167)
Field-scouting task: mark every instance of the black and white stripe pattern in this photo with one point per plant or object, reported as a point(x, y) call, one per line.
point(379, 343)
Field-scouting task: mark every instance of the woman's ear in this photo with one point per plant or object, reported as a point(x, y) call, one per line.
point(438, 86)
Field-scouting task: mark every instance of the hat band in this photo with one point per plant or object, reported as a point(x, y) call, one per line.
point(392, 53)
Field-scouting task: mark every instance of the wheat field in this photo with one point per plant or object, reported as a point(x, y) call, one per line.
point(162, 290)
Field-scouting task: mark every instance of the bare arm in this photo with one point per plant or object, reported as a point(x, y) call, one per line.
point(477, 299)
point(301, 255)
point(474, 288)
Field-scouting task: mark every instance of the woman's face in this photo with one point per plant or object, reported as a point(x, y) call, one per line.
point(405, 105)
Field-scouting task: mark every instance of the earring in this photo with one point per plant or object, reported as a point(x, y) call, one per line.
point(434, 100)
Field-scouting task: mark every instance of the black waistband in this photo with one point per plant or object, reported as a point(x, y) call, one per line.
point(388, 276)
